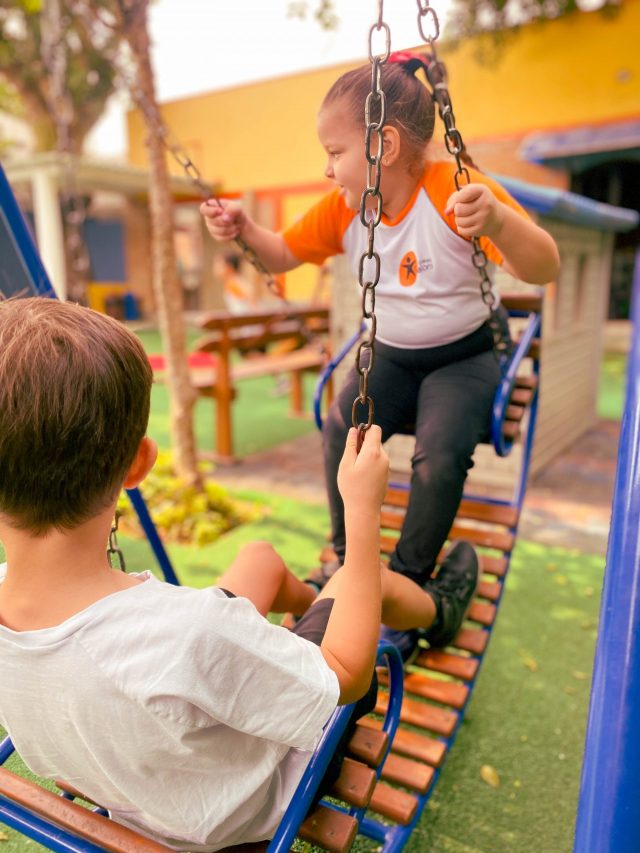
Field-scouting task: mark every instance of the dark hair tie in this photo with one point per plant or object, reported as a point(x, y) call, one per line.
point(410, 61)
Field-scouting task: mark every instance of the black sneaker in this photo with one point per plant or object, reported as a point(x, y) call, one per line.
point(452, 589)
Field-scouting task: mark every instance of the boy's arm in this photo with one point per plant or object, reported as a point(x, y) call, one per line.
point(529, 252)
point(351, 638)
point(226, 220)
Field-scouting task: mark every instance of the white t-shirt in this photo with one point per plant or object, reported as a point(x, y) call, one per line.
point(183, 712)
point(429, 290)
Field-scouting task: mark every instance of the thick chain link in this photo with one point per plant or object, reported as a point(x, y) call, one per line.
point(437, 76)
point(369, 266)
point(182, 157)
point(113, 549)
point(54, 56)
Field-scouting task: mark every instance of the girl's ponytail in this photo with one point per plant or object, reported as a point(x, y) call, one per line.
point(412, 61)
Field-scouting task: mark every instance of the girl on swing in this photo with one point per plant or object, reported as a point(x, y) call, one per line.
point(435, 364)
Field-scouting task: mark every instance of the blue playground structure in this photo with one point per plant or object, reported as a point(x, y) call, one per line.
point(401, 749)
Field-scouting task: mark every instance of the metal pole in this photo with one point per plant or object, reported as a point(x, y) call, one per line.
point(608, 818)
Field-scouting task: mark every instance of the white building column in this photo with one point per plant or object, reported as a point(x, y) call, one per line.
point(49, 229)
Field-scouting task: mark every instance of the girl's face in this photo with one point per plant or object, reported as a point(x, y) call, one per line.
point(343, 140)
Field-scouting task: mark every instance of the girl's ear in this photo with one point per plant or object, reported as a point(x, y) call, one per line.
point(142, 463)
point(390, 145)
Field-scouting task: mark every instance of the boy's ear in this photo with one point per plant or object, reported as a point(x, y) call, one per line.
point(142, 463)
point(390, 145)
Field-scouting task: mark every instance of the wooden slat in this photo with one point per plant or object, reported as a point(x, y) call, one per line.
point(492, 513)
point(490, 590)
point(355, 783)
point(471, 640)
point(89, 825)
point(514, 413)
point(529, 381)
point(414, 713)
point(369, 745)
point(393, 804)
point(414, 744)
point(521, 301)
point(491, 565)
point(445, 692)
point(498, 539)
point(328, 828)
point(455, 665)
point(405, 771)
point(485, 614)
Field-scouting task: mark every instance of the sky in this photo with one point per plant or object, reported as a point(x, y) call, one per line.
point(202, 45)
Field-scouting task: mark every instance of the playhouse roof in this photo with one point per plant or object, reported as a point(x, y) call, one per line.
point(570, 207)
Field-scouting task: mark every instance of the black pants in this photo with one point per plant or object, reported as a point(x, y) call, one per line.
point(448, 392)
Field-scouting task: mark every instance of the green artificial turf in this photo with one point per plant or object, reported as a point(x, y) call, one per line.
point(611, 389)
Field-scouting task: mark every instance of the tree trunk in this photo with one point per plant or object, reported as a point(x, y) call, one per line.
point(166, 285)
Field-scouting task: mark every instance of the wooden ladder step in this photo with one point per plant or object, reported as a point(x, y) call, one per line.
point(456, 665)
point(490, 590)
point(500, 540)
point(328, 828)
point(368, 745)
point(355, 783)
point(493, 513)
point(490, 565)
point(451, 693)
point(409, 773)
point(422, 715)
point(472, 640)
point(485, 614)
point(414, 744)
point(393, 804)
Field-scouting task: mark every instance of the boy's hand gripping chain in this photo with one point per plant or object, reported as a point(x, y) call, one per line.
point(437, 76)
point(370, 222)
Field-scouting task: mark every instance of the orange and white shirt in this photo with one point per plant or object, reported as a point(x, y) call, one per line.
point(429, 291)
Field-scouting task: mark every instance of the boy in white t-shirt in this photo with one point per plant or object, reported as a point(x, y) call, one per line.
point(184, 712)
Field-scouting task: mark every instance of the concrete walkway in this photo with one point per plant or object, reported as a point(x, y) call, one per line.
point(568, 504)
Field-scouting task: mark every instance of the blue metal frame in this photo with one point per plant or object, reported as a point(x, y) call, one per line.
point(299, 806)
point(18, 231)
point(608, 819)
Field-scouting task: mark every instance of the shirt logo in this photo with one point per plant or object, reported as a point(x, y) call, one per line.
point(410, 267)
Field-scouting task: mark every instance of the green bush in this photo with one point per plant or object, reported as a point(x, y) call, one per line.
point(182, 512)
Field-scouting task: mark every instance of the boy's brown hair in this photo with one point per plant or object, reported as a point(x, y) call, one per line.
point(74, 404)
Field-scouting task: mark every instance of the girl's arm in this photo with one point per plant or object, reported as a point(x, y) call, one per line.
point(226, 220)
point(529, 252)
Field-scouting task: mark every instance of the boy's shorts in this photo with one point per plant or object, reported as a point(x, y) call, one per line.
point(312, 627)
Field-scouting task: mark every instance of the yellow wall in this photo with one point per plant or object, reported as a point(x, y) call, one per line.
point(584, 68)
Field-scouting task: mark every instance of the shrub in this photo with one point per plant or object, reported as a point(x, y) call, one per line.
point(183, 513)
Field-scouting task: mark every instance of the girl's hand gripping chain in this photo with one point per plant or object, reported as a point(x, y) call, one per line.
point(362, 477)
point(477, 212)
point(225, 220)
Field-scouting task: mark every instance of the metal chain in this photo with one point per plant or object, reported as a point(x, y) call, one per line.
point(54, 56)
point(437, 76)
point(182, 157)
point(113, 549)
point(370, 218)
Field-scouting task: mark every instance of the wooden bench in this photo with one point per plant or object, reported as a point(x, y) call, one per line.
point(295, 342)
